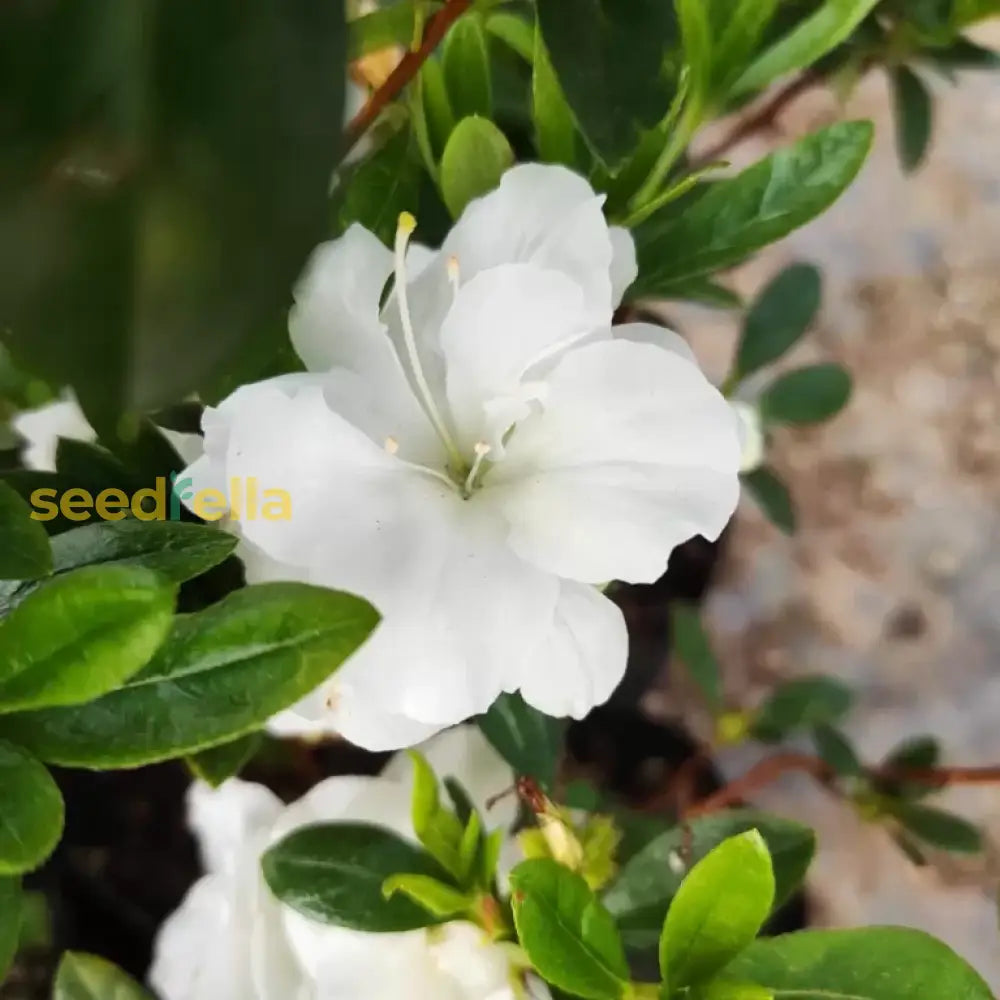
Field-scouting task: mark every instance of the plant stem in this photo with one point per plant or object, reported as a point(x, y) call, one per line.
point(687, 125)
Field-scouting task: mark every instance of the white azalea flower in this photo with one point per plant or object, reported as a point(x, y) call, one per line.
point(232, 940)
point(474, 456)
point(42, 427)
point(752, 440)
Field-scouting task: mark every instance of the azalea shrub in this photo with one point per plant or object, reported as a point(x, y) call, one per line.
point(332, 412)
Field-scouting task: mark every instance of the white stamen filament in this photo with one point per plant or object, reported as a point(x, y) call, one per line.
point(407, 223)
point(482, 449)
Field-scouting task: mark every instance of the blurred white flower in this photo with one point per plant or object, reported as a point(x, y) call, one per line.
point(42, 427)
point(474, 456)
point(752, 440)
point(231, 940)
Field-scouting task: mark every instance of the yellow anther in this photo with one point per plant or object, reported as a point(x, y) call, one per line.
point(407, 223)
point(391, 445)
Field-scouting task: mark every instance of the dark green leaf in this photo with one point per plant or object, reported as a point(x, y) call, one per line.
point(836, 751)
point(567, 933)
point(773, 497)
point(919, 753)
point(743, 23)
point(735, 217)
point(780, 315)
point(938, 828)
point(692, 646)
point(640, 896)
point(31, 811)
point(467, 69)
point(515, 32)
point(474, 160)
point(24, 545)
point(218, 764)
point(964, 54)
point(334, 873)
point(162, 189)
point(609, 58)
point(530, 741)
point(914, 116)
point(11, 909)
point(875, 963)
point(803, 703)
point(87, 977)
point(81, 635)
point(806, 395)
point(436, 105)
point(555, 130)
point(221, 674)
point(717, 911)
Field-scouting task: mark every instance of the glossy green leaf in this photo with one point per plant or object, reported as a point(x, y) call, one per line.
point(939, 828)
point(24, 545)
point(222, 673)
point(737, 216)
point(474, 160)
point(515, 32)
point(530, 741)
point(466, 67)
point(914, 116)
point(11, 912)
point(436, 897)
point(610, 58)
point(436, 827)
point(722, 989)
point(220, 763)
point(696, 35)
point(334, 873)
point(87, 977)
point(161, 191)
point(874, 963)
point(802, 703)
point(555, 130)
point(836, 750)
point(566, 932)
point(772, 496)
point(640, 896)
point(717, 911)
point(810, 40)
point(780, 315)
point(31, 811)
point(81, 635)
point(691, 645)
point(742, 24)
point(807, 395)
point(436, 106)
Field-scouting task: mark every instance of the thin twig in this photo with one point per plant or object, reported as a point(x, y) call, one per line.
point(407, 69)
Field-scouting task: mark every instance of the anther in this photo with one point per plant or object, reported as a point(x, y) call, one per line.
point(454, 274)
point(391, 445)
point(481, 450)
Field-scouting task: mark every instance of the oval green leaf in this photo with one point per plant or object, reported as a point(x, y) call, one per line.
point(530, 741)
point(475, 158)
point(807, 395)
point(913, 106)
point(87, 977)
point(31, 811)
point(772, 497)
point(222, 673)
point(802, 703)
point(466, 67)
point(335, 873)
point(939, 828)
point(24, 545)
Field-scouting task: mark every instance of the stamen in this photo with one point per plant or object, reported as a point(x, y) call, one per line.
point(391, 445)
point(482, 449)
point(404, 230)
point(454, 274)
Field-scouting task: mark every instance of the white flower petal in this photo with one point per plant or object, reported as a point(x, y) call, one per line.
point(624, 266)
point(42, 427)
point(752, 440)
point(634, 453)
point(583, 660)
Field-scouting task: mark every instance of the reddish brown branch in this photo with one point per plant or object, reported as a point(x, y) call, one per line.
point(407, 69)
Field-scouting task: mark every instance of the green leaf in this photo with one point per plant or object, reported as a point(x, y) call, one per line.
point(803, 703)
point(805, 44)
point(334, 873)
point(436, 105)
point(917, 753)
point(466, 67)
point(717, 911)
point(87, 977)
point(168, 181)
point(436, 827)
point(567, 933)
point(220, 763)
point(385, 27)
point(555, 130)
point(806, 395)
point(221, 674)
point(609, 58)
point(696, 32)
point(381, 186)
point(31, 811)
point(781, 314)
point(773, 497)
point(11, 913)
point(640, 896)
point(966, 12)
point(692, 647)
point(938, 828)
point(721, 989)
point(24, 545)
point(81, 635)
point(515, 32)
point(437, 898)
point(914, 116)
point(743, 25)
point(530, 741)
point(875, 963)
point(474, 160)
point(837, 751)
point(735, 217)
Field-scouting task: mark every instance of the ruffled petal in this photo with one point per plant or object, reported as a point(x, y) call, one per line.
point(582, 660)
point(633, 453)
point(624, 265)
